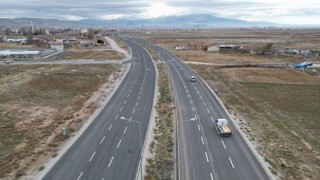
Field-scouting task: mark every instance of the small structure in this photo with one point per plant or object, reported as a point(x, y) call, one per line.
point(182, 47)
point(214, 48)
point(226, 47)
point(57, 46)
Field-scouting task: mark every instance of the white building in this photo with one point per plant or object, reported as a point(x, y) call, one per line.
point(56, 46)
point(19, 54)
point(214, 48)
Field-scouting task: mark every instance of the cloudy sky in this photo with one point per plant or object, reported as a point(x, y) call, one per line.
point(277, 11)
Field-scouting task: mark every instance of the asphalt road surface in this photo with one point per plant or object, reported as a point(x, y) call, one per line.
point(110, 147)
point(202, 153)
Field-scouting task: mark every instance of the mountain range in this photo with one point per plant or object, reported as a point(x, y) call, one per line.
point(186, 21)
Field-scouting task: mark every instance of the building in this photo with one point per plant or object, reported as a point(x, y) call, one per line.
point(214, 48)
point(56, 46)
point(19, 54)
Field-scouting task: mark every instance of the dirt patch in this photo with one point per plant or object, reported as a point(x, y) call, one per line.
point(278, 109)
point(36, 102)
point(94, 54)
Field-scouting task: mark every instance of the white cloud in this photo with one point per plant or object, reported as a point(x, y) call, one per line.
point(160, 9)
point(111, 16)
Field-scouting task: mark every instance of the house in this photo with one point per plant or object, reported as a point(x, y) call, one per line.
point(202, 46)
point(214, 48)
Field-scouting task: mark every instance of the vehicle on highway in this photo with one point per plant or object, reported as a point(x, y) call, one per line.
point(193, 78)
point(7, 61)
point(223, 128)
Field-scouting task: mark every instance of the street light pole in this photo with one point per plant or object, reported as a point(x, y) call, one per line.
point(130, 120)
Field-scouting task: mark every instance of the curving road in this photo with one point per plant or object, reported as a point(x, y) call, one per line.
point(202, 153)
point(110, 147)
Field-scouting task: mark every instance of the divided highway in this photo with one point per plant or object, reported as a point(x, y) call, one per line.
point(110, 147)
point(202, 153)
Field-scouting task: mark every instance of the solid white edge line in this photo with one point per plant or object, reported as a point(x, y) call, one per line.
point(110, 127)
point(110, 161)
point(92, 156)
point(211, 176)
point(119, 144)
point(223, 144)
point(125, 130)
point(80, 175)
point(202, 140)
point(102, 139)
point(207, 156)
point(231, 162)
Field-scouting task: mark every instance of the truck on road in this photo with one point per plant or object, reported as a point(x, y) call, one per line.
point(223, 127)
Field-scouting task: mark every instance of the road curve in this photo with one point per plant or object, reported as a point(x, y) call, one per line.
point(110, 147)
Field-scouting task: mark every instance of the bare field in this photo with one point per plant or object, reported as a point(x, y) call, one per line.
point(94, 54)
point(14, 45)
point(36, 102)
point(299, 39)
point(279, 111)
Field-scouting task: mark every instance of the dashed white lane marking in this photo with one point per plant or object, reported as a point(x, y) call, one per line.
point(190, 101)
point(116, 117)
point(92, 156)
point(211, 118)
point(138, 97)
point(208, 110)
point(130, 91)
point(133, 110)
point(121, 108)
point(204, 103)
point(119, 144)
point(200, 97)
point(207, 157)
point(198, 92)
point(202, 140)
point(195, 87)
point(110, 127)
point(110, 161)
point(199, 127)
point(125, 101)
point(128, 96)
point(137, 103)
point(102, 139)
point(192, 108)
point(223, 145)
point(189, 95)
point(80, 175)
point(125, 130)
point(211, 176)
point(231, 162)
point(140, 92)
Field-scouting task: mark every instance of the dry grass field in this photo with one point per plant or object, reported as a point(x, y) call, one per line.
point(94, 54)
point(279, 109)
point(36, 102)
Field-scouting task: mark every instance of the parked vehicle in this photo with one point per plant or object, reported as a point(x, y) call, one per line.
point(223, 128)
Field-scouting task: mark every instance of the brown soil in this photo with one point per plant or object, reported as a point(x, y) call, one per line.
point(278, 109)
point(94, 54)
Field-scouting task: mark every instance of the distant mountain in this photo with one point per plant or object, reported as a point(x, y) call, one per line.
point(187, 21)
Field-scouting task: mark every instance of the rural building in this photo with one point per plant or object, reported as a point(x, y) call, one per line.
point(214, 48)
point(202, 46)
point(226, 47)
point(19, 54)
point(182, 47)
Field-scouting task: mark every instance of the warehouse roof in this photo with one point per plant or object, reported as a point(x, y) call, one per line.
point(24, 52)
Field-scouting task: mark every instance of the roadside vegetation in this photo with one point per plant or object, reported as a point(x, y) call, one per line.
point(160, 166)
point(36, 102)
point(279, 110)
